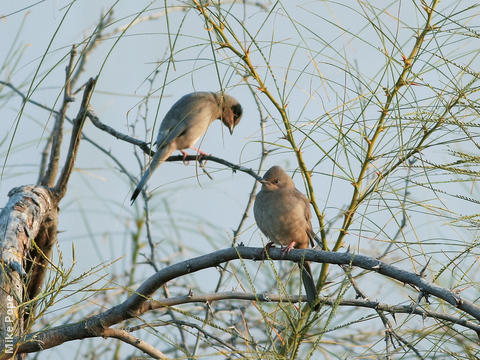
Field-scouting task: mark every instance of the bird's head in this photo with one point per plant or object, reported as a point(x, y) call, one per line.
point(275, 178)
point(231, 111)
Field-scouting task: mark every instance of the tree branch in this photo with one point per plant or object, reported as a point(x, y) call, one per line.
point(57, 131)
point(61, 186)
point(139, 303)
point(146, 148)
point(134, 341)
point(267, 297)
point(30, 213)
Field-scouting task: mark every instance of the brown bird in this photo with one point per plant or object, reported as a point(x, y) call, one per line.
point(283, 214)
point(186, 122)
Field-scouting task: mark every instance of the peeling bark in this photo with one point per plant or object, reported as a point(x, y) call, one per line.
point(31, 213)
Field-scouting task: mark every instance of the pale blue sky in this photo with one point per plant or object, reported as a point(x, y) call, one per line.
point(322, 43)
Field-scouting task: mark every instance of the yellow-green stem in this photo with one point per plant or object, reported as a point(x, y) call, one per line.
point(245, 57)
point(356, 198)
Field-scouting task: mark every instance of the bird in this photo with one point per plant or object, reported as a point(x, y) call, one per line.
point(283, 215)
point(186, 122)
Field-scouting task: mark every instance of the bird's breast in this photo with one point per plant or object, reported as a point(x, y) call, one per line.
point(280, 217)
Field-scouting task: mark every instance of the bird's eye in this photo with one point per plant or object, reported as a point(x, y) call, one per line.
point(276, 181)
point(237, 112)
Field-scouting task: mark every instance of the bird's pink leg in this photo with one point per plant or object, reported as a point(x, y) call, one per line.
point(287, 249)
point(185, 154)
point(199, 151)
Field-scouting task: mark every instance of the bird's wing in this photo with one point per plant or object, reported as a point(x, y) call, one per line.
point(299, 197)
point(260, 213)
point(181, 116)
point(308, 217)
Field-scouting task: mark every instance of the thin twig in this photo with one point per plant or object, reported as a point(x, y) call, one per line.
point(331, 301)
point(252, 195)
point(61, 185)
point(403, 221)
point(44, 157)
point(84, 137)
point(371, 142)
point(134, 341)
point(189, 324)
point(389, 331)
point(91, 44)
point(244, 56)
point(57, 131)
point(145, 147)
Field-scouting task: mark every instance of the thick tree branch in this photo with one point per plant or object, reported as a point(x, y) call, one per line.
point(21, 220)
point(139, 303)
point(30, 213)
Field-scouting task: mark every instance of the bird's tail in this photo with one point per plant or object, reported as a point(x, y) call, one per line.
point(309, 285)
point(315, 239)
point(160, 156)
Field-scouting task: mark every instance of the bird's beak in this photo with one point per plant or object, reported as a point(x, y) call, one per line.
point(230, 128)
point(263, 182)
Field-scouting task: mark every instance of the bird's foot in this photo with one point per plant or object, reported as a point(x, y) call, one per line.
point(265, 250)
point(185, 154)
point(200, 153)
point(287, 249)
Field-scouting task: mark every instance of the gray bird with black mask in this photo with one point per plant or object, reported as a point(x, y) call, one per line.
point(186, 122)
